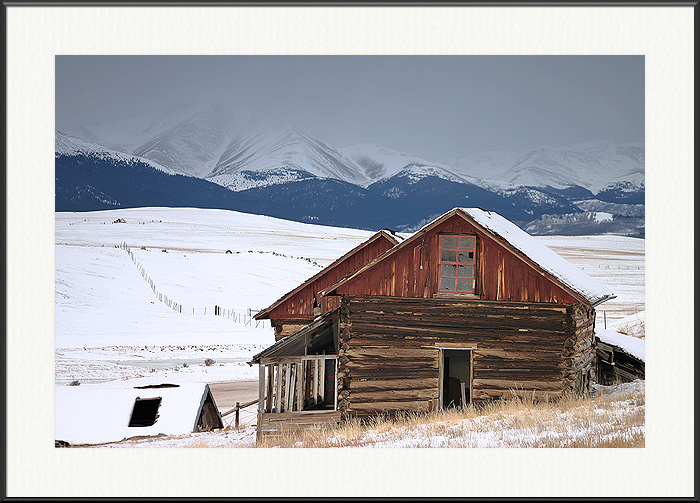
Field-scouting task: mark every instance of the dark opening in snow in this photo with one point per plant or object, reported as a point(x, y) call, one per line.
point(145, 412)
point(150, 386)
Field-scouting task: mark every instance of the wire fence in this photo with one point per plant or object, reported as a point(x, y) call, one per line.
point(244, 316)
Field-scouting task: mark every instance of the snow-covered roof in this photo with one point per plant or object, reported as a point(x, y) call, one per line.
point(98, 414)
point(630, 345)
point(563, 270)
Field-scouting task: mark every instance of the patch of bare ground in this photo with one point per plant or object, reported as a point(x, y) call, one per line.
point(613, 418)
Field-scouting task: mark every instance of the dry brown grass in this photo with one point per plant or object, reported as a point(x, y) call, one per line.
point(609, 420)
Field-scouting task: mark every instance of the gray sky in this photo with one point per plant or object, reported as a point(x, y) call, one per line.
point(435, 107)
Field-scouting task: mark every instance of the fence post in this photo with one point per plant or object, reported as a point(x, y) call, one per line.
point(238, 407)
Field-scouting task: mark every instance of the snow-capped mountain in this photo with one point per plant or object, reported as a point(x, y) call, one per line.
point(379, 163)
point(91, 177)
point(273, 154)
point(277, 170)
point(594, 166)
point(193, 146)
point(126, 134)
point(70, 146)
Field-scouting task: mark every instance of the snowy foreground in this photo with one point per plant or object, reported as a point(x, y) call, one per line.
point(136, 290)
point(615, 418)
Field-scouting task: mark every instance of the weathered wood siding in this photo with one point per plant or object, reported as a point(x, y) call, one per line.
point(579, 349)
point(614, 366)
point(300, 306)
point(501, 274)
point(389, 356)
point(271, 425)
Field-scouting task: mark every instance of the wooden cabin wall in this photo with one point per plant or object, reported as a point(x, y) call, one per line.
point(295, 309)
point(501, 275)
point(389, 357)
point(579, 350)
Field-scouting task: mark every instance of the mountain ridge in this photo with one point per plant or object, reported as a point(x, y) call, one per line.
point(213, 143)
point(265, 167)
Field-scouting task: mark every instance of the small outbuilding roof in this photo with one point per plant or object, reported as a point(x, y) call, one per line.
point(633, 346)
point(521, 242)
point(103, 413)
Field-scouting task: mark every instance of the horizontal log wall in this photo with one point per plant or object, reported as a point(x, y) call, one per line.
point(389, 357)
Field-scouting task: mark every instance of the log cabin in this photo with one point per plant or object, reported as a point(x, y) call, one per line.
point(469, 308)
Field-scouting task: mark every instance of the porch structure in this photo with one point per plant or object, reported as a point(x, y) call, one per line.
point(298, 378)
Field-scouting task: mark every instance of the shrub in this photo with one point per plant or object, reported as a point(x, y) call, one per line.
point(74, 383)
point(209, 362)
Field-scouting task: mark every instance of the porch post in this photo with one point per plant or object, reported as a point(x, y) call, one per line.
point(261, 388)
point(315, 377)
point(278, 397)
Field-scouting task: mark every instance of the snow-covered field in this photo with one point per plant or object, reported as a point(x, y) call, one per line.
point(112, 324)
point(615, 418)
point(149, 311)
point(615, 261)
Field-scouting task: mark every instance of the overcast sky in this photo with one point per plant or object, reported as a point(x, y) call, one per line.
point(435, 107)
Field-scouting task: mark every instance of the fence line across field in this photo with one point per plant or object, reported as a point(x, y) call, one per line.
point(245, 317)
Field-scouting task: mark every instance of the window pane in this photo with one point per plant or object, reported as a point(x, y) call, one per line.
point(465, 271)
point(465, 285)
point(448, 270)
point(465, 256)
point(449, 243)
point(450, 256)
point(447, 285)
point(466, 243)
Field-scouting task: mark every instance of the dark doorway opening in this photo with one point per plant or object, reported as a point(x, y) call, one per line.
point(145, 412)
point(209, 418)
point(329, 383)
point(456, 377)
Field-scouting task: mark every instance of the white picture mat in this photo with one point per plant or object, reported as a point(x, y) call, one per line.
point(663, 468)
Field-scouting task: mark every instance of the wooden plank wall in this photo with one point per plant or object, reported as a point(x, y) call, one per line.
point(389, 357)
point(501, 275)
point(613, 366)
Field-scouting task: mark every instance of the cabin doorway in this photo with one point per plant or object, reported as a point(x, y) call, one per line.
point(456, 377)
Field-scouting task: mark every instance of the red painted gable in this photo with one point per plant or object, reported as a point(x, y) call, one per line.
point(502, 273)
